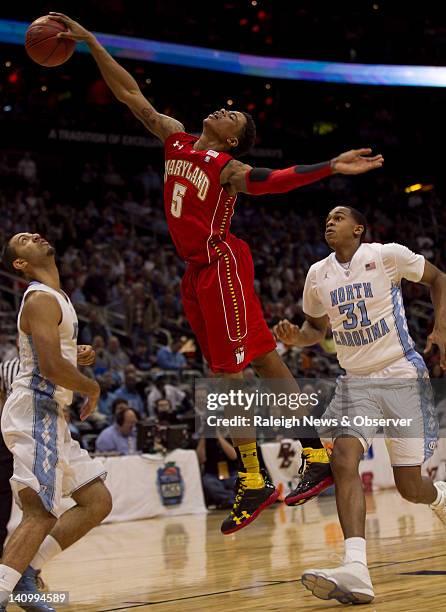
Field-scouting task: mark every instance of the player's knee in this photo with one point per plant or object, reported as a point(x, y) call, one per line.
point(41, 517)
point(343, 461)
point(34, 510)
point(102, 504)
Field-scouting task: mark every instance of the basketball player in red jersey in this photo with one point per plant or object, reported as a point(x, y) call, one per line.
point(202, 180)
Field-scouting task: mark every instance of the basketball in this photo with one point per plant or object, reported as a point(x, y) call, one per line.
point(43, 46)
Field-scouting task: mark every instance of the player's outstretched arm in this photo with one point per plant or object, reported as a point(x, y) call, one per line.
point(121, 82)
point(40, 318)
point(312, 331)
point(239, 177)
point(435, 279)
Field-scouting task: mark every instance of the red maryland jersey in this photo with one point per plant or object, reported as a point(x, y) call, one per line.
point(198, 209)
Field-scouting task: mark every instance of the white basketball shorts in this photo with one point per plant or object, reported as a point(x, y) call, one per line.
point(401, 394)
point(46, 458)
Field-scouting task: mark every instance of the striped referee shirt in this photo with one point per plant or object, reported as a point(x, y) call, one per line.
point(8, 372)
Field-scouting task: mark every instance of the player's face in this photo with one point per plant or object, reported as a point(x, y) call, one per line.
point(340, 227)
point(226, 125)
point(31, 249)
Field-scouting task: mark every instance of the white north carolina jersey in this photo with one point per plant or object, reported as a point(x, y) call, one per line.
point(364, 304)
point(29, 375)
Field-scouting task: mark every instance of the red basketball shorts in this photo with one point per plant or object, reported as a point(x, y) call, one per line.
point(224, 311)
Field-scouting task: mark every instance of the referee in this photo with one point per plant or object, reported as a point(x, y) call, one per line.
point(8, 371)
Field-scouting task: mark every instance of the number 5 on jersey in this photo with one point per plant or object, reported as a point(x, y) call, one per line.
point(176, 207)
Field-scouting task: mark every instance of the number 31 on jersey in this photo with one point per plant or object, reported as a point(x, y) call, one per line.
point(176, 207)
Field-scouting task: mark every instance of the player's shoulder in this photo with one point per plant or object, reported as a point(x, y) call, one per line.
point(178, 140)
point(318, 267)
point(38, 298)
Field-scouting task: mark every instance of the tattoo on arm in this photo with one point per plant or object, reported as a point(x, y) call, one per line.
point(160, 125)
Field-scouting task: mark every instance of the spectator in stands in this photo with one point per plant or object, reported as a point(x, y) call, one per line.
point(94, 327)
point(118, 358)
point(102, 362)
point(141, 357)
point(107, 398)
point(96, 286)
point(27, 169)
point(168, 357)
point(219, 460)
point(118, 406)
point(121, 436)
point(163, 390)
point(129, 392)
point(142, 316)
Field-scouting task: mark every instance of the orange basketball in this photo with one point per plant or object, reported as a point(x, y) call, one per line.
point(42, 44)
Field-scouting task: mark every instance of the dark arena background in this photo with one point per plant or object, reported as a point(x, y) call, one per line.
point(79, 169)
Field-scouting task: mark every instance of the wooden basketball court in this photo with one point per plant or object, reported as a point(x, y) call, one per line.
point(183, 563)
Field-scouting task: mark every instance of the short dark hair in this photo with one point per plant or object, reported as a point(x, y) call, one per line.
point(9, 255)
point(360, 220)
point(246, 139)
point(115, 404)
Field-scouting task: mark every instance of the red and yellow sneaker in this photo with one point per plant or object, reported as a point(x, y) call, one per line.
point(254, 493)
point(316, 476)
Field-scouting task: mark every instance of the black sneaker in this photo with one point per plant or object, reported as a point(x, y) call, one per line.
point(254, 493)
point(316, 476)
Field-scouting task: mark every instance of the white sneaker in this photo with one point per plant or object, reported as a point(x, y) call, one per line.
point(348, 583)
point(440, 508)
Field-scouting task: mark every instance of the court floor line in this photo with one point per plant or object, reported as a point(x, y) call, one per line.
point(256, 586)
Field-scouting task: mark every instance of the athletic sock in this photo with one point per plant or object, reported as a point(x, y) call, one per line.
point(355, 550)
point(311, 442)
point(248, 456)
point(8, 579)
point(49, 548)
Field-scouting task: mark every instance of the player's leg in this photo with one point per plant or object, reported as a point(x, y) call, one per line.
point(316, 476)
point(82, 480)
point(413, 486)
point(409, 481)
point(221, 316)
point(93, 505)
point(23, 544)
point(253, 490)
point(259, 349)
point(412, 399)
point(350, 582)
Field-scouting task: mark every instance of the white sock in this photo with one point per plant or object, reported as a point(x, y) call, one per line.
point(355, 550)
point(49, 548)
point(8, 579)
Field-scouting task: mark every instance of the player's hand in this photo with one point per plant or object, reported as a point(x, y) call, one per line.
point(85, 355)
point(356, 161)
point(287, 332)
point(75, 30)
point(91, 401)
point(438, 337)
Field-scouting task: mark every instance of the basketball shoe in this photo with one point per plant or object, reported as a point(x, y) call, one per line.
point(439, 508)
point(29, 585)
point(316, 476)
point(348, 583)
point(254, 493)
